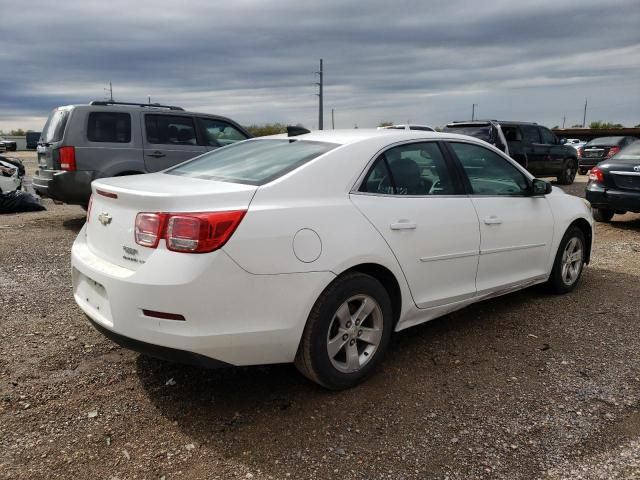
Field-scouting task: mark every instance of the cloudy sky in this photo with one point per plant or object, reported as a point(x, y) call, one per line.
point(418, 61)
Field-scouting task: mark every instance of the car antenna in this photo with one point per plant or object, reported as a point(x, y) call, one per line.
point(294, 131)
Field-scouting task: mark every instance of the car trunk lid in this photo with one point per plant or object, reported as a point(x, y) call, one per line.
point(51, 138)
point(117, 201)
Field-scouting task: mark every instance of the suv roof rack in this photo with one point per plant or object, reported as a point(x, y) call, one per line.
point(156, 105)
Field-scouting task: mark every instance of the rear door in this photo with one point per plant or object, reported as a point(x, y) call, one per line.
point(52, 137)
point(516, 229)
point(218, 133)
point(169, 139)
point(414, 199)
point(533, 149)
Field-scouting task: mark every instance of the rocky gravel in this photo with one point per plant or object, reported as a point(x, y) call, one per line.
point(524, 386)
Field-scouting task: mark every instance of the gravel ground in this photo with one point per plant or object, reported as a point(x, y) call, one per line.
point(520, 387)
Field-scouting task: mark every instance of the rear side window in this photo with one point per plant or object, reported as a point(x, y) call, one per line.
point(255, 162)
point(218, 132)
point(412, 169)
point(547, 136)
point(111, 127)
point(54, 128)
point(530, 134)
point(170, 130)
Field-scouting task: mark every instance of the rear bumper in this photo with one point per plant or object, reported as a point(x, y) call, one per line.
point(619, 200)
point(67, 187)
point(230, 315)
point(589, 162)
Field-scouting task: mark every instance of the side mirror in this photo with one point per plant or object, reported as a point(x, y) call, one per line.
point(540, 187)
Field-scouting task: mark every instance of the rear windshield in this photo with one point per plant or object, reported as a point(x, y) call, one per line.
point(254, 162)
point(481, 132)
point(54, 128)
point(632, 152)
point(604, 141)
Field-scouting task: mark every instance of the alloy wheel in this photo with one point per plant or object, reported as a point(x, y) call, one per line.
point(572, 261)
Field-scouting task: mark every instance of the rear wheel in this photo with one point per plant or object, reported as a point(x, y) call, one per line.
point(602, 214)
point(569, 262)
point(347, 332)
point(568, 174)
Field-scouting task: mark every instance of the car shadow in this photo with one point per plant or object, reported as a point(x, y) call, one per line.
point(627, 222)
point(453, 370)
point(74, 224)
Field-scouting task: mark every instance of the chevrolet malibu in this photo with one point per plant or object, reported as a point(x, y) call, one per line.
point(313, 248)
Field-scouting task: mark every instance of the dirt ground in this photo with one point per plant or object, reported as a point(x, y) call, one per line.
point(523, 386)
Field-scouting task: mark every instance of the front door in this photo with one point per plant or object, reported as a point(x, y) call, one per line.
point(412, 198)
point(169, 140)
point(516, 229)
point(535, 151)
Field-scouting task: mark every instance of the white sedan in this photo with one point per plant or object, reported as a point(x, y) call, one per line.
point(314, 248)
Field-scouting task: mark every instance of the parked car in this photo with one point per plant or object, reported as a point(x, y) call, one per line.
point(313, 248)
point(16, 162)
point(424, 128)
point(599, 149)
point(9, 145)
point(81, 143)
point(614, 185)
point(32, 139)
point(10, 179)
point(531, 145)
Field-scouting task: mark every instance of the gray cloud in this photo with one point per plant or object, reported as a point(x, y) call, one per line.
point(426, 62)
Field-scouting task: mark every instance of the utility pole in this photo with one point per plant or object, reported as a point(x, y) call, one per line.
point(564, 118)
point(473, 111)
point(333, 123)
point(110, 92)
point(584, 117)
point(320, 97)
point(149, 99)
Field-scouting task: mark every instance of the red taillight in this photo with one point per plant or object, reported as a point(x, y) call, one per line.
point(596, 175)
point(89, 208)
point(149, 227)
point(580, 152)
point(187, 232)
point(612, 151)
point(67, 157)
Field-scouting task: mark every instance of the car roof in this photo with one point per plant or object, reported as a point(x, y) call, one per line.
point(141, 107)
point(350, 136)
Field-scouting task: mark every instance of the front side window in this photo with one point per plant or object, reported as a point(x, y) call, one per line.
point(255, 162)
point(218, 132)
point(112, 127)
point(488, 172)
point(411, 169)
point(170, 130)
point(530, 134)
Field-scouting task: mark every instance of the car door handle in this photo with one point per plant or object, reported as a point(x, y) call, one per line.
point(492, 220)
point(156, 154)
point(403, 226)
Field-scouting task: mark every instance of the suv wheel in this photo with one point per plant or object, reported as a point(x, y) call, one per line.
point(347, 332)
point(568, 174)
point(602, 214)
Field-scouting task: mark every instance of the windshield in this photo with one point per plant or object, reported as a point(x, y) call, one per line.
point(254, 162)
point(631, 153)
point(604, 141)
point(54, 128)
point(483, 132)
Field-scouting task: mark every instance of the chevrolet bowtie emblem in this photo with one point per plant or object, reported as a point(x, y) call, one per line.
point(104, 218)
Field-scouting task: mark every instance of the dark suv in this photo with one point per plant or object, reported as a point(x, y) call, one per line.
point(80, 143)
point(531, 145)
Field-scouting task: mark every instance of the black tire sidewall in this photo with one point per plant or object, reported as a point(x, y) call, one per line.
point(342, 290)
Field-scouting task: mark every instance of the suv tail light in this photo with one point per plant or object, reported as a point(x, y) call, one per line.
point(596, 175)
point(67, 156)
point(612, 151)
point(187, 232)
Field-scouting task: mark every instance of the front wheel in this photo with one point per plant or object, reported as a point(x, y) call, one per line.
point(568, 174)
point(347, 332)
point(602, 214)
point(569, 262)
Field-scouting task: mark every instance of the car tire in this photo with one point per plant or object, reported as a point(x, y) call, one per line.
point(569, 262)
point(568, 174)
point(583, 171)
point(333, 351)
point(602, 214)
